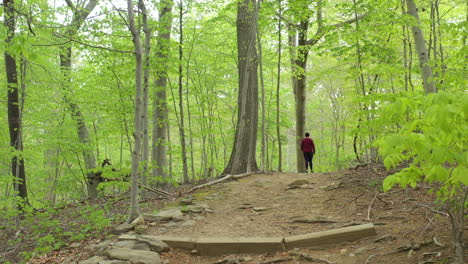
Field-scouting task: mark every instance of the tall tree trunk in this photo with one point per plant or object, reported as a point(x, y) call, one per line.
point(421, 49)
point(134, 210)
point(160, 125)
point(278, 85)
point(80, 13)
point(262, 85)
point(181, 100)
point(243, 158)
point(14, 104)
point(144, 115)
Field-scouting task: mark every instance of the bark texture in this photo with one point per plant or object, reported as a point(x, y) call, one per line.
point(160, 138)
point(14, 111)
point(421, 49)
point(134, 210)
point(243, 155)
point(79, 16)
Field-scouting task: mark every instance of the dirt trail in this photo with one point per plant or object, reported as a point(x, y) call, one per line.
point(265, 206)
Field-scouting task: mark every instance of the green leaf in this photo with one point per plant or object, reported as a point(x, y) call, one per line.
point(460, 174)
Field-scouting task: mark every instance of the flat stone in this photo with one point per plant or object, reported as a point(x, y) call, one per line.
point(178, 242)
point(122, 228)
point(224, 246)
point(328, 237)
point(127, 237)
point(188, 223)
point(135, 256)
point(125, 244)
point(167, 215)
point(154, 243)
point(141, 246)
point(100, 248)
point(259, 209)
point(93, 260)
point(186, 201)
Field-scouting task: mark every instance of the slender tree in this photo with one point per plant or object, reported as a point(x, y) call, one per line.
point(134, 210)
point(243, 158)
point(278, 84)
point(181, 100)
point(14, 104)
point(420, 45)
point(80, 13)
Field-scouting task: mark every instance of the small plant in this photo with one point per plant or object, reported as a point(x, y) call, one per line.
point(432, 138)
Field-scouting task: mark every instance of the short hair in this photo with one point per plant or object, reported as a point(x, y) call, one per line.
point(307, 134)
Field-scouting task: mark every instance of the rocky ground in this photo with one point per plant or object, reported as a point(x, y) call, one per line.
point(409, 229)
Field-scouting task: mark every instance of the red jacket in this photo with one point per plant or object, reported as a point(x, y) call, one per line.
point(307, 145)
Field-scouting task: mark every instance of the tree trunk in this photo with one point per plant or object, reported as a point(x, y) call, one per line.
point(181, 100)
point(243, 158)
point(160, 126)
point(80, 13)
point(14, 111)
point(278, 85)
point(144, 115)
point(420, 46)
point(262, 83)
point(134, 210)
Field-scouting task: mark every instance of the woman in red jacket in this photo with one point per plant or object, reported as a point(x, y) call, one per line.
point(308, 148)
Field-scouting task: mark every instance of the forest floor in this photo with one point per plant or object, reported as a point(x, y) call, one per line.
point(263, 205)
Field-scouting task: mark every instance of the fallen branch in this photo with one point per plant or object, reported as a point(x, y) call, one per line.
point(369, 258)
point(310, 258)
point(160, 192)
point(370, 206)
point(223, 179)
point(357, 197)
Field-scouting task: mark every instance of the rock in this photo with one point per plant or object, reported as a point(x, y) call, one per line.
point(141, 246)
point(135, 256)
point(170, 224)
point(186, 201)
point(259, 209)
point(99, 249)
point(163, 216)
point(344, 251)
point(194, 251)
point(297, 183)
point(188, 223)
point(125, 244)
point(122, 228)
point(140, 229)
point(154, 243)
point(127, 237)
point(360, 250)
point(93, 260)
point(195, 209)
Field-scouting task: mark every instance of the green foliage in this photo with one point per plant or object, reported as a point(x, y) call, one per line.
point(431, 136)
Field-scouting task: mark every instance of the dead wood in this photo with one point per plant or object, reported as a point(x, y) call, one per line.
point(370, 206)
point(157, 191)
point(308, 257)
point(369, 258)
point(223, 179)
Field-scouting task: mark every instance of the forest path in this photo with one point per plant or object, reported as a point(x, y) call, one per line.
point(262, 205)
point(265, 205)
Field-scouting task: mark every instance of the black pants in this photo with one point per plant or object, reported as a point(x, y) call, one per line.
point(308, 156)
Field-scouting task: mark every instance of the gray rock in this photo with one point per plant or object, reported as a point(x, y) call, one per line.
point(154, 243)
point(135, 256)
point(188, 223)
point(93, 260)
point(125, 244)
point(141, 246)
point(127, 237)
point(100, 248)
point(167, 215)
point(186, 201)
point(122, 228)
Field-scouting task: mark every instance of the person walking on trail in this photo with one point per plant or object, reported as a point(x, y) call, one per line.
point(308, 148)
